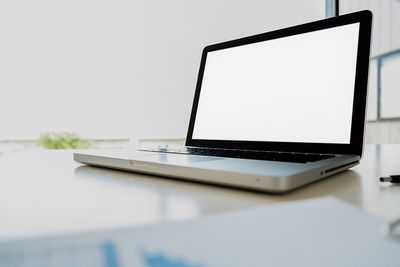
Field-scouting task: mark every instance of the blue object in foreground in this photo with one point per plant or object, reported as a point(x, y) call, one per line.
point(161, 260)
point(110, 255)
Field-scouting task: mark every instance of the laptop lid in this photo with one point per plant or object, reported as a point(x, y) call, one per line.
point(299, 89)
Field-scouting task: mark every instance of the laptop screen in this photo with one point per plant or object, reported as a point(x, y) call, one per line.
point(298, 88)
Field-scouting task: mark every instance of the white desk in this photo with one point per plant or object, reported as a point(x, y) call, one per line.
point(45, 192)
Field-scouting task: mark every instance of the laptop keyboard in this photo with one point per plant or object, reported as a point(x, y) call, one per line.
point(246, 154)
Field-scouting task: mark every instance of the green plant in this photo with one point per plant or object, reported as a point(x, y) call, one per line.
point(63, 141)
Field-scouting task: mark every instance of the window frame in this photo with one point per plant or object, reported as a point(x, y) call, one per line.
point(379, 64)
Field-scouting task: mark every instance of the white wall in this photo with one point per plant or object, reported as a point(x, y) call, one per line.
point(115, 69)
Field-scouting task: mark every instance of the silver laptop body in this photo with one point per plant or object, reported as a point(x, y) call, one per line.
point(271, 112)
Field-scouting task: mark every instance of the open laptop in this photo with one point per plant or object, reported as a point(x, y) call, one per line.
point(271, 112)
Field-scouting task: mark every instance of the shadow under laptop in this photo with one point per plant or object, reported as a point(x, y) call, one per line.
point(211, 198)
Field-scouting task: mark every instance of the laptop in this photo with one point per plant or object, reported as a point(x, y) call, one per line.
point(271, 112)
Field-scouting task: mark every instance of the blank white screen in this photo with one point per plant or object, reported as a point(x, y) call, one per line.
point(294, 89)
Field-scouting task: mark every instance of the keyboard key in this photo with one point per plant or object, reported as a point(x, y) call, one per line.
point(246, 154)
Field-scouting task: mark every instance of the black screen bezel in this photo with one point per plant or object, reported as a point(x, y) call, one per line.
point(360, 90)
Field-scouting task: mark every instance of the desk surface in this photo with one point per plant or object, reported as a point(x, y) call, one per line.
point(44, 192)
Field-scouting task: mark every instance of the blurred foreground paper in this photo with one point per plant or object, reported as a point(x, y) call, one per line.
point(317, 232)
